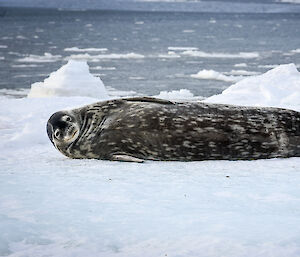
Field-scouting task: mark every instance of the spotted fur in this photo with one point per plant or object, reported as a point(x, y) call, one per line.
point(155, 129)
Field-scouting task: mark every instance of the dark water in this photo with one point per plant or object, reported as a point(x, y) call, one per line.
point(24, 32)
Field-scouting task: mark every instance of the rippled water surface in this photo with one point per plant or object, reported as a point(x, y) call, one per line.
point(146, 52)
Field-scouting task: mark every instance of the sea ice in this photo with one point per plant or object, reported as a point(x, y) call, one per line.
point(243, 55)
point(176, 94)
point(215, 75)
point(279, 87)
point(104, 56)
point(47, 57)
point(72, 79)
point(76, 49)
point(54, 206)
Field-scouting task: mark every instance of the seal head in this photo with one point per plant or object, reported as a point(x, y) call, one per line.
point(63, 129)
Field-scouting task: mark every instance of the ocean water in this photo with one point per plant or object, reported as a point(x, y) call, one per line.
point(145, 52)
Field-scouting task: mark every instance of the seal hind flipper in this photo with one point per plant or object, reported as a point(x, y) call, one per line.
point(126, 158)
point(148, 100)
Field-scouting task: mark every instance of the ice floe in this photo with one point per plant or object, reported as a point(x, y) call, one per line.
point(54, 206)
point(215, 75)
point(104, 56)
point(76, 49)
point(279, 87)
point(47, 57)
point(72, 79)
point(176, 94)
point(242, 55)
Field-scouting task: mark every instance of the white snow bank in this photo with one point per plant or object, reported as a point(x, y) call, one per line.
point(215, 75)
point(72, 79)
point(279, 87)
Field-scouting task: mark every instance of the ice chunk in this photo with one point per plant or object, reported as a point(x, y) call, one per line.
point(72, 79)
point(182, 94)
point(214, 75)
point(279, 87)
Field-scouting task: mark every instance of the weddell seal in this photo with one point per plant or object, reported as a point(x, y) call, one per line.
point(144, 128)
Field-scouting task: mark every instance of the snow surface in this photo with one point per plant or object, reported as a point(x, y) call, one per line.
point(54, 206)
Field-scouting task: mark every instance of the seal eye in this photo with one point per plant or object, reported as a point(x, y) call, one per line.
point(68, 118)
point(57, 133)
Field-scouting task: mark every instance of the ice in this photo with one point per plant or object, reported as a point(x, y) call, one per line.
point(182, 48)
point(104, 56)
point(76, 49)
point(290, 1)
point(215, 75)
point(3, 46)
point(176, 94)
point(47, 57)
point(240, 65)
point(296, 51)
point(54, 206)
point(72, 79)
point(25, 65)
point(102, 68)
point(279, 87)
point(170, 54)
point(242, 72)
point(188, 31)
point(242, 55)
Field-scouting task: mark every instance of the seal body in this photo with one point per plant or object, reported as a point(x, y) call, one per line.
point(135, 129)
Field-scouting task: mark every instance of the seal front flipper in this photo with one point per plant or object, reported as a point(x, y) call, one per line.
point(125, 158)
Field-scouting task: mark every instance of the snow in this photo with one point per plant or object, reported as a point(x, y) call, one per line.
point(72, 79)
point(279, 87)
point(54, 206)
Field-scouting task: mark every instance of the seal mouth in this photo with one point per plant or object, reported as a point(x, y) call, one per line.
point(73, 135)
